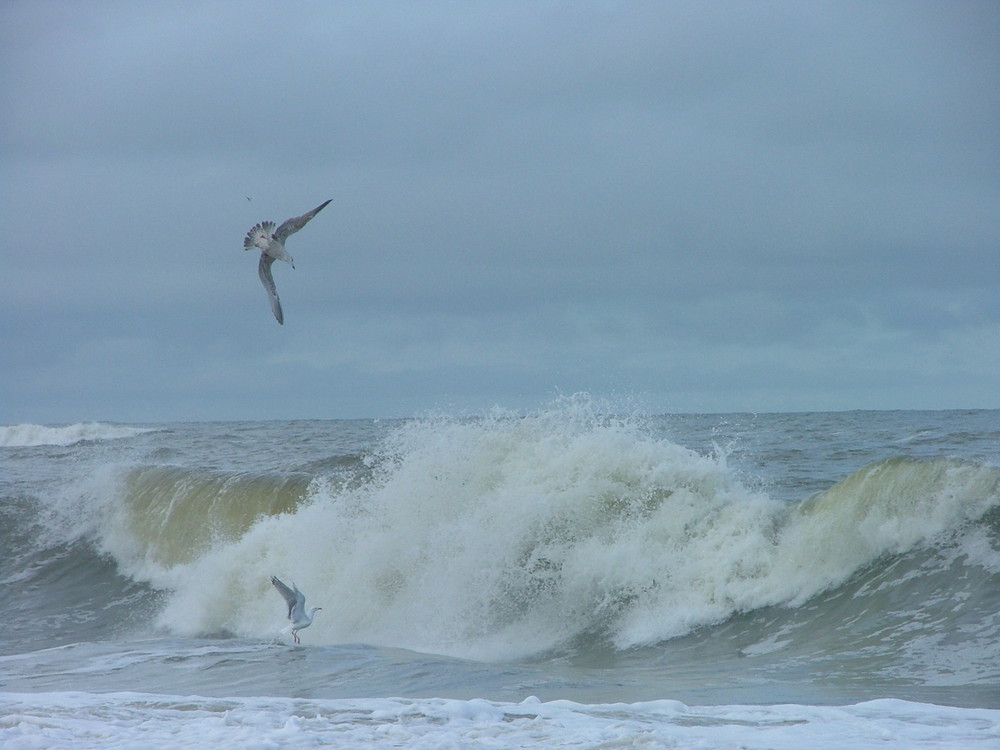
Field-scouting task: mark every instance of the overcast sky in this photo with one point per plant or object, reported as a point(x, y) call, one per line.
point(689, 206)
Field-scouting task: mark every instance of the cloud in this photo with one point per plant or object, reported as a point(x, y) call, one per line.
point(722, 207)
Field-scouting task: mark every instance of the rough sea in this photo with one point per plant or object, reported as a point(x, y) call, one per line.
point(568, 578)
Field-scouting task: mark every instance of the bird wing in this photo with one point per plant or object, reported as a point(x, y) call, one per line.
point(264, 271)
point(293, 225)
point(293, 598)
point(259, 235)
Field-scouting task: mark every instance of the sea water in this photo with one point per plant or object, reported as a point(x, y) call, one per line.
point(572, 577)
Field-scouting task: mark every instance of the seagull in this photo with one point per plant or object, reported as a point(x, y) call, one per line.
point(271, 244)
point(296, 602)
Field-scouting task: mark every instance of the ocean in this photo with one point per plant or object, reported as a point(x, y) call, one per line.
point(571, 577)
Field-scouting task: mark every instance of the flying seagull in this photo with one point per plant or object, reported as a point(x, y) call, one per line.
point(296, 601)
point(271, 244)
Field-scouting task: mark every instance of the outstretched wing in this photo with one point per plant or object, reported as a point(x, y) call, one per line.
point(293, 225)
point(292, 598)
point(264, 271)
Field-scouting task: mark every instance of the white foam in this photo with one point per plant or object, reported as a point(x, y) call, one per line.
point(122, 720)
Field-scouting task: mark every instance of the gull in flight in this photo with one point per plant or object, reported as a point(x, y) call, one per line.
point(271, 244)
point(296, 601)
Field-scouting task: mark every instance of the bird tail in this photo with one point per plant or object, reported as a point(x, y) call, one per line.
point(264, 229)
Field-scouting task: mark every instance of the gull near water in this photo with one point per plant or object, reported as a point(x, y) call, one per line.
point(271, 244)
point(296, 601)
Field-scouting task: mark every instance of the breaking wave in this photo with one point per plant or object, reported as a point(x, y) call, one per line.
point(507, 536)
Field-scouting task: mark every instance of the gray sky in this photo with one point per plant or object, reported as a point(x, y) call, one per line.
point(731, 206)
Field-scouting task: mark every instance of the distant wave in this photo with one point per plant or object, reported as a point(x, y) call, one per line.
point(27, 435)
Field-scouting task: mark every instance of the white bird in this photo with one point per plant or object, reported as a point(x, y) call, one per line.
point(296, 601)
point(271, 244)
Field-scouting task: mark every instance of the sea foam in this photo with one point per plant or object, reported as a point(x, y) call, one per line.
point(119, 720)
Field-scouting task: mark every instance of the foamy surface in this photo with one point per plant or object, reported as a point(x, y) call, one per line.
point(124, 720)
